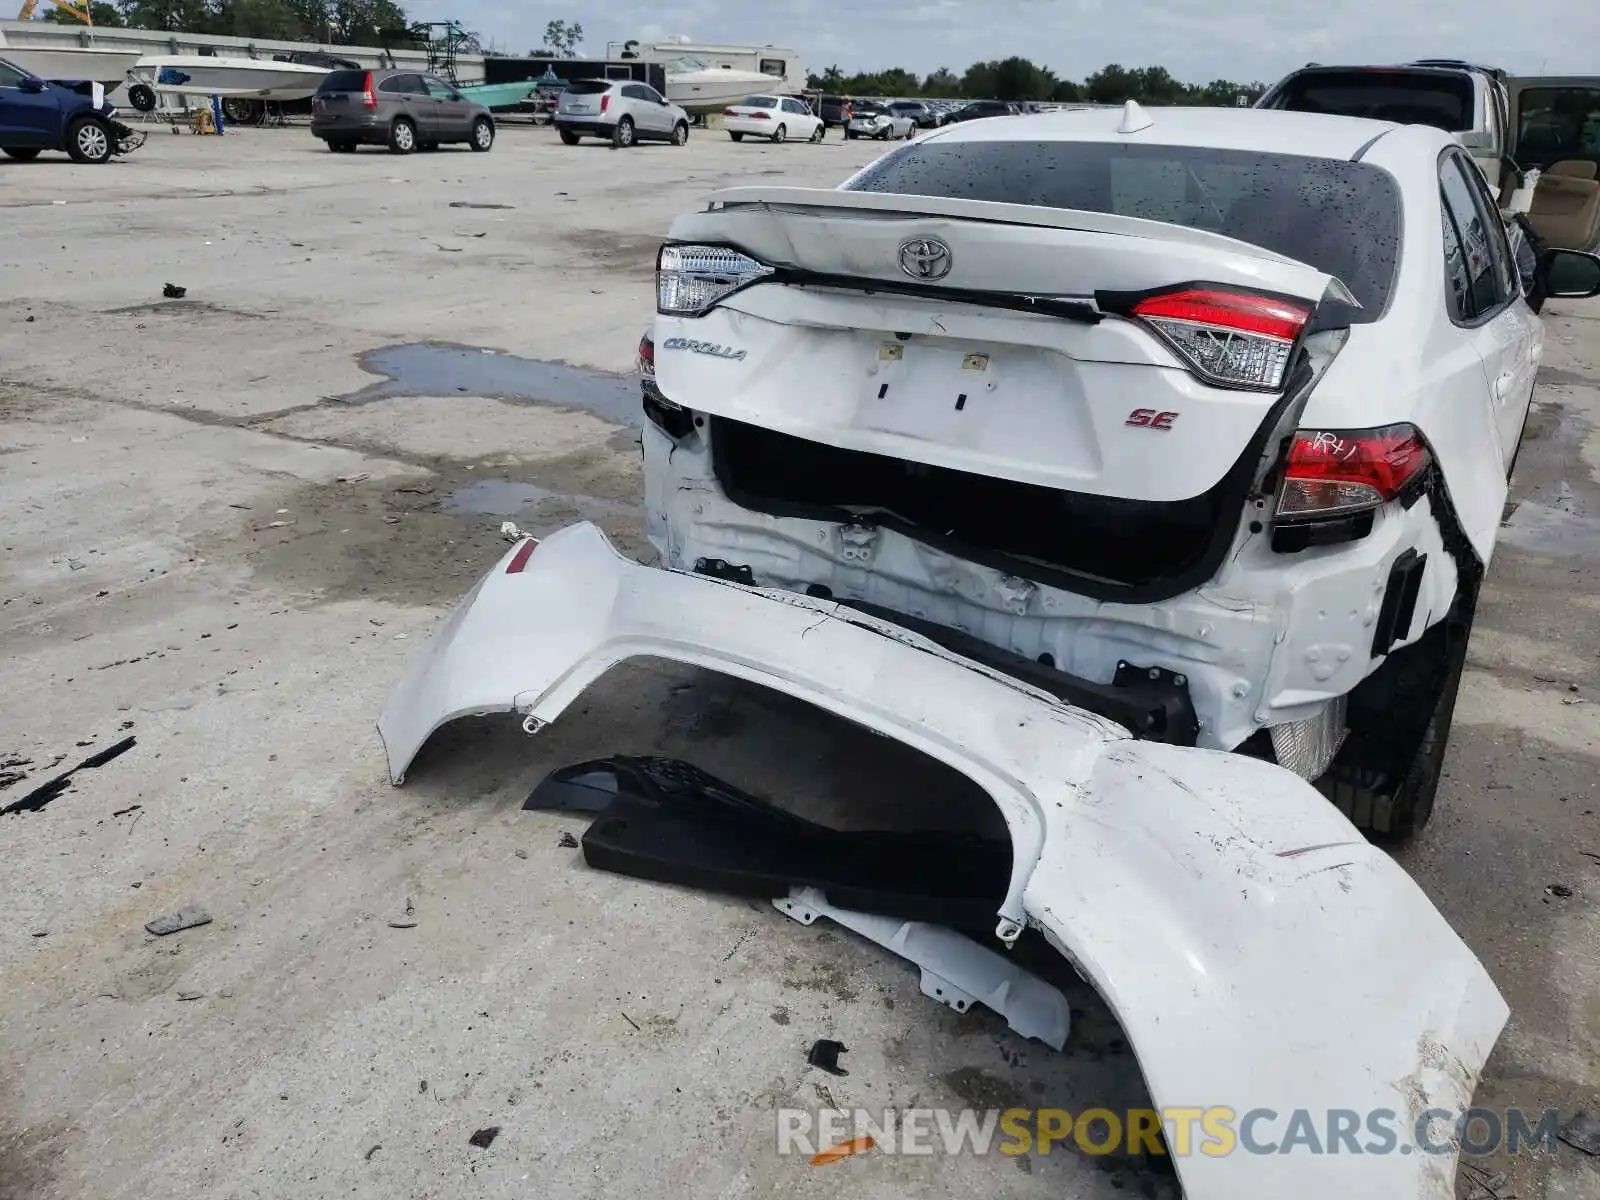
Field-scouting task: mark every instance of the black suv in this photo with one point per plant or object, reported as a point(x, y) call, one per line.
point(834, 110)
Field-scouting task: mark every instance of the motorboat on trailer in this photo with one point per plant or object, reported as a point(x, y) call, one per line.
point(213, 75)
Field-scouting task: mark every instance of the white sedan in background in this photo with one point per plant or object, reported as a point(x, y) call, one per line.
point(776, 118)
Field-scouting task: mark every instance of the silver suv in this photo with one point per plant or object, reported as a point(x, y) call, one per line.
point(620, 111)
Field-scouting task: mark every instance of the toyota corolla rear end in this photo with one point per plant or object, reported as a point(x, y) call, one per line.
point(1066, 429)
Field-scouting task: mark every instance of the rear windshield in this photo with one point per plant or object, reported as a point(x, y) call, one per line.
point(1343, 218)
point(589, 87)
point(343, 81)
point(758, 102)
point(1415, 98)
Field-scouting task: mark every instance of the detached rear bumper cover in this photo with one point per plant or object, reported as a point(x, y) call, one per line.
point(1257, 951)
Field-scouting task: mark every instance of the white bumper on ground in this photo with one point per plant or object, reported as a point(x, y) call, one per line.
point(1259, 954)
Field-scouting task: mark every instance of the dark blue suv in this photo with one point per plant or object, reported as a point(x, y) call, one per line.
point(59, 115)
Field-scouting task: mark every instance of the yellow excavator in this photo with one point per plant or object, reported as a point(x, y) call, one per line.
point(80, 11)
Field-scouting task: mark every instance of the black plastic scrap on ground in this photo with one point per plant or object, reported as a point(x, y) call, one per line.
point(46, 792)
point(669, 821)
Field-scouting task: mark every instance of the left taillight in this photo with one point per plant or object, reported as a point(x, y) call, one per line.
point(369, 97)
point(1342, 472)
point(1230, 338)
point(519, 560)
point(647, 357)
point(691, 279)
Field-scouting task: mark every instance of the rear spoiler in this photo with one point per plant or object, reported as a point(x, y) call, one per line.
point(890, 203)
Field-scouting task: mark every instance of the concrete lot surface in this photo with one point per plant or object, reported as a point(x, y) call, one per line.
point(228, 521)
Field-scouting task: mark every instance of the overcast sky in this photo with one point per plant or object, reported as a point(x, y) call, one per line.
point(1196, 40)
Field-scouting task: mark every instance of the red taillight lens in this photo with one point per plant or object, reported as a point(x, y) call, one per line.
point(758, 116)
point(605, 102)
point(1331, 472)
point(519, 560)
point(368, 96)
point(730, 112)
point(1235, 339)
point(647, 357)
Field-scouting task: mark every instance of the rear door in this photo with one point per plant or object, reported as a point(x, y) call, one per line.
point(404, 95)
point(452, 112)
point(1485, 297)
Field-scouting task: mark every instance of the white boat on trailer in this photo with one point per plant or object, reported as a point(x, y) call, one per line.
point(94, 64)
point(208, 75)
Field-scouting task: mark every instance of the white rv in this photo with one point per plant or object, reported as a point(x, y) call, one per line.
point(704, 78)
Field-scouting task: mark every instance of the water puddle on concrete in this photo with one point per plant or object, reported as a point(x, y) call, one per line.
point(1558, 527)
point(431, 369)
point(515, 500)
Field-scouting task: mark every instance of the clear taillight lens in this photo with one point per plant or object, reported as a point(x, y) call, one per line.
point(1233, 339)
point(690, 279)
point(1336, 472)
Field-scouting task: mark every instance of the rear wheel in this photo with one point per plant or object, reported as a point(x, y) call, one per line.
point(1387, 773)
point(680, 134)
point(779, 134)
point(482, 135)
point(402, 136)
point(623, 137)
point(20, 153)
point(569, 138)
point(89, 140)
point(738, 137)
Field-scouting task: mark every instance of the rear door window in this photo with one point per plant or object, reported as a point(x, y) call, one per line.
point(1443, 99)
point(438, 88)
point(1474, 234)
point(1343, 218)
point(409, 85)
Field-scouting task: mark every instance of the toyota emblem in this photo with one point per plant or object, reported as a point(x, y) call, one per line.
point(925, 258)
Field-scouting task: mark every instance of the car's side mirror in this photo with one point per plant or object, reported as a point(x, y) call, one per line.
point(1569, 274)
point(30, 84)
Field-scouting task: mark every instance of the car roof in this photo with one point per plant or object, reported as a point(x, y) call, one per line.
point(1269, 131)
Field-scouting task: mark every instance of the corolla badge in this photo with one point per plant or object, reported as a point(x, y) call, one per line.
point(925, 258)
point(712, 349)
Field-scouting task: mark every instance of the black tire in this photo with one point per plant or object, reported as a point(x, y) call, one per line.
point(20, 153)
point(569, 138)
point(884, 136)
point(482, 135)
point(738, 137)
point(1386, 775)
point(680, 134)
point(848, 136)
point(402, 136)
point(817, 134)
point(142, 96)
point(780, 135)
point(240, 110)
point(90, 140)
point(623, 137)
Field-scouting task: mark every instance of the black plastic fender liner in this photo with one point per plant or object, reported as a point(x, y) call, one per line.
point(666, 820)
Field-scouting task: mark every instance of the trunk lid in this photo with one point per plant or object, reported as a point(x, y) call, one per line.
point(940, 371)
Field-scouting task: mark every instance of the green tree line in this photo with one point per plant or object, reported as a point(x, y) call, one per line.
point(1018, 79)
point(346, 22)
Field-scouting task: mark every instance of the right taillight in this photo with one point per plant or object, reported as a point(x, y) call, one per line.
point(1231, 338)
point(1341, 472)
point(368, 96)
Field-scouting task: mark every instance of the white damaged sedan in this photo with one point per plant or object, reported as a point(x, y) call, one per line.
point(1071, 451)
